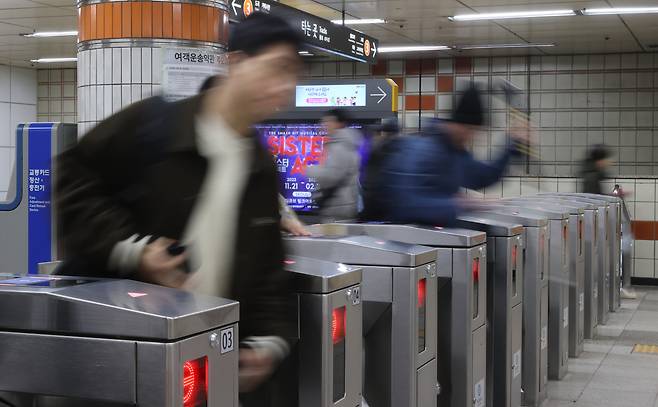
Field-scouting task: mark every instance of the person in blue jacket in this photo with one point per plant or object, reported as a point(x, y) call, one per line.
point(423, 174)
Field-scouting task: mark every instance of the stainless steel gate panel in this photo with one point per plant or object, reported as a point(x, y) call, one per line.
point(477, 396)
point(516, 348)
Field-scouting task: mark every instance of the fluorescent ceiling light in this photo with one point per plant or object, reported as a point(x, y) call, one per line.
point(516, 14)
point(619, 10)
point(305, 54)
point(360, 21)
point(45, 34)
point(413, 48)
point(53, 60)
point(494, 46)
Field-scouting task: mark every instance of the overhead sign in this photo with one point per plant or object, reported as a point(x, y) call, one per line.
point(365, 98)
point(317, 32)
point(331, 95)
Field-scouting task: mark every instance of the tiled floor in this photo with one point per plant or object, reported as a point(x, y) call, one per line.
point(607, 374)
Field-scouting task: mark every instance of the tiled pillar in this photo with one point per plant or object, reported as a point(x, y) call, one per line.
point(123, 46)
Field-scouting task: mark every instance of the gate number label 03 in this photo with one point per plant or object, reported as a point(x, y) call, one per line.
point(227, 340)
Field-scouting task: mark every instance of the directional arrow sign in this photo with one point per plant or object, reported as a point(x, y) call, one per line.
point(374, 50)
point(137, 295)
point(381, 95)
point(235, 5)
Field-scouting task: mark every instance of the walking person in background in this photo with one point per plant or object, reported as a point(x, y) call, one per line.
point(338, 171)
point(594, 169)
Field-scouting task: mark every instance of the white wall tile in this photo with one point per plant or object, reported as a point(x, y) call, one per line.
point(23, 85)
point(511, 187)
point(126, 65)
point(612, 61)
point(6, 132)
point(645, 61)
point(595, 99)
point(126, 95)
point(116, 65)
point(316, 69)
point(444, 102)
point(548, 184)
point(611, 99)
point(563, 81)
point(645, 191)
point(643, 268)
point(612, 80)
point(611, 119)
point(548, 81)
point(580, 62)
point(579, 119)
point(629, 80)
point(547, 100)
point(645, 99)
point(494, 191)
point(107, 101)
point(21, 114)
point(566, 185)
point(645, 211)
point(396, 67)
point(629, 61)
point(345, 69)
point(595, 119)
point(628, 119)
point(645, 118)
point(518, 64)
point(595, 81)
point(147, 65)
point(329, 69)
point(499, 64)
point(445, 65)
point(68, 75)
point(362, 70)
point(579, 100)
point(548, 63)
point(116, 98)
point(480, 64)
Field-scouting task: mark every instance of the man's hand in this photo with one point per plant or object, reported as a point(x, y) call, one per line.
point(256, 366)
point(294, 226)
point(157, 266)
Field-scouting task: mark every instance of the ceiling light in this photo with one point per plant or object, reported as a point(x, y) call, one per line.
point(53, 60)
point(45, 34)
point(413, 48)
point(619, 10)
point(494, 46)
point(360, 21)
point(516, 14)
point(305, 54)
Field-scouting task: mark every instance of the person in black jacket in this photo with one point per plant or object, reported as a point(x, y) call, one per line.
point(594, 169)
point(193, 174)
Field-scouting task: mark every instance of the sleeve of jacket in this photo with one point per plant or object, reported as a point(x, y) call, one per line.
point(478, 174)
point(91, 218)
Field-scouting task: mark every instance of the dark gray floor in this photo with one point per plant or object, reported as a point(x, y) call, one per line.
point(607, 374)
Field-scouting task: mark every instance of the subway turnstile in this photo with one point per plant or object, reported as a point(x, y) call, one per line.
point(399, 295)
point(558, 286)
point(504, 307)
point(94, 342)
point(614, 241)
point(593, 257)
point(535, 300)
point(462, 304)
point(329, 363)
point(602, 248)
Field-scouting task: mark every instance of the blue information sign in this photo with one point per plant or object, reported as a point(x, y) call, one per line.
point(39, 186)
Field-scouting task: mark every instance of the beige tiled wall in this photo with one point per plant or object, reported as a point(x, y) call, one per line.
point(56, 95)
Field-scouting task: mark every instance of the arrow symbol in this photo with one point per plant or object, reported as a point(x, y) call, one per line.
point(234, 5)
point(381, 95)
point(374, 49)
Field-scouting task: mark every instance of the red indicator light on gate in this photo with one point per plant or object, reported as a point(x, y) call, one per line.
point(514, 248)
point(338, 325)
point(195, 382)
point(564, 232)
point(422, 292)
point(476, 270)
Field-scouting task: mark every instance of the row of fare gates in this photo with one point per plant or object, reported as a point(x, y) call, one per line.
point(388, 315)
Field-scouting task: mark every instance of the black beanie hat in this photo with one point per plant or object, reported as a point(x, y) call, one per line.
point(469, 108)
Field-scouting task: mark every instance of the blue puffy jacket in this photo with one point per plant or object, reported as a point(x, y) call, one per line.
point(424, 173)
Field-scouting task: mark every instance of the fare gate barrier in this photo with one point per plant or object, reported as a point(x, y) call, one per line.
point(71, 341)
point(399, 313)
point(602, 291)
point(461, 356)
point(558, 285)
point(614, 242)
point(535, 300)
point(330, 323)
point(591, 230)
point(504, 307)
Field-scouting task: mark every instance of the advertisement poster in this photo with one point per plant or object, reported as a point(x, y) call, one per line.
point(184, 70)
point(331, 95)
point(295, 147)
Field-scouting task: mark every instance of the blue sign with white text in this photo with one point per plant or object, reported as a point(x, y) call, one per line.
point(39, 186)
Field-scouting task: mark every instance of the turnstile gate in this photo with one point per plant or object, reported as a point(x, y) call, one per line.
point(504, 307)
point(461, 355)
point(328, 359)
point(558, 287)
point(535, 300)
point(614, 241)
point(399, 295)
point(602, 247)
point(71, 341)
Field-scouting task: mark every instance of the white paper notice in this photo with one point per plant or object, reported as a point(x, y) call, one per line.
point(479, 397)
point(565, 317)
point(185, 69)
point(516, 363)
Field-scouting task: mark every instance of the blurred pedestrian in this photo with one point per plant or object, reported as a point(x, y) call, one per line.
point(381, 147)
point(193, 174)
point(338, 171)
point(423, 176)
point(595, 169)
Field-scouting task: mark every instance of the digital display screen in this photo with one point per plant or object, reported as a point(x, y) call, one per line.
point(330, 95)
point(295, 147)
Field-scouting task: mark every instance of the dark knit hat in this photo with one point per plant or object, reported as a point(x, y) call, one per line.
point(469, 109)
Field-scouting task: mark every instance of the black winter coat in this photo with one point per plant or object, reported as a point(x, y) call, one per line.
point(121, 179)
